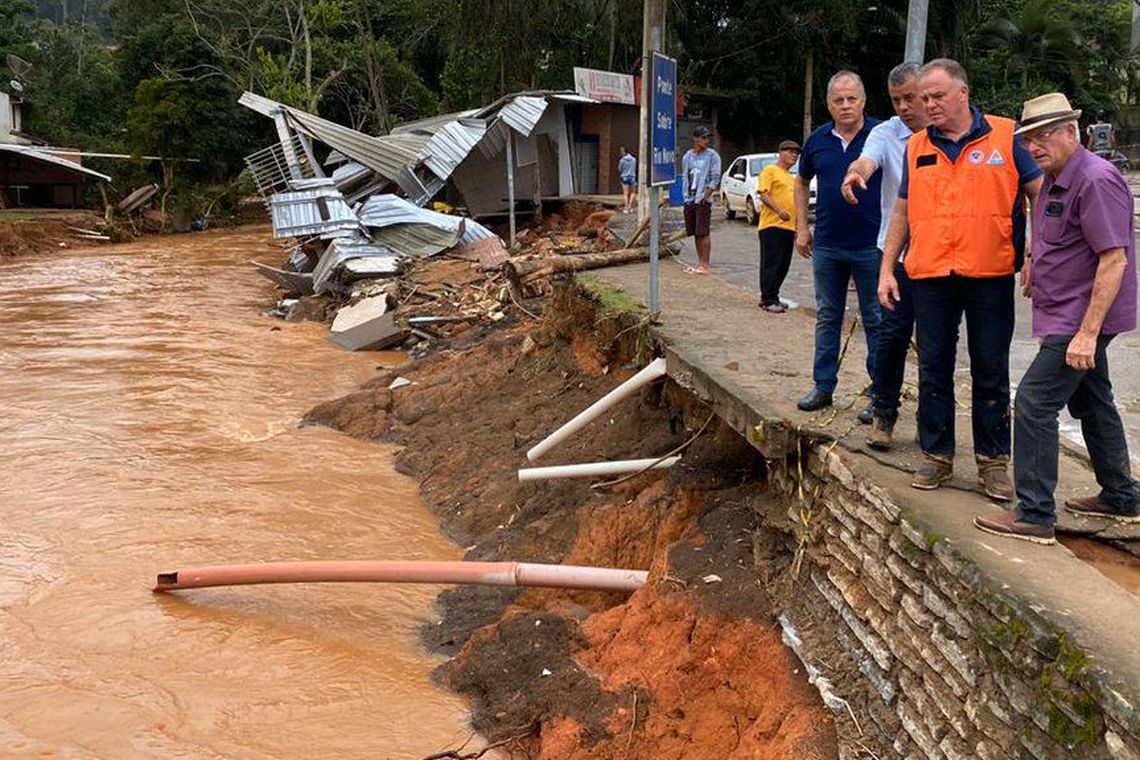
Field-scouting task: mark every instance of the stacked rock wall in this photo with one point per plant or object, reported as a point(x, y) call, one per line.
point(942, 664)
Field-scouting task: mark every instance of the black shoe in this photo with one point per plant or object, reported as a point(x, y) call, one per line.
point(814, 401)
point(866, 414)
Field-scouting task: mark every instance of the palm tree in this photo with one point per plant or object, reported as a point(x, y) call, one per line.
point(1042, 38)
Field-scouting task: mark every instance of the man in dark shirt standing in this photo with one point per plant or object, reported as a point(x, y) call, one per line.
point(1082, 279)
point(845, 243)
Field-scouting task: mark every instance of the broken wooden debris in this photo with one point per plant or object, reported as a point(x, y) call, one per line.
point(137, 198)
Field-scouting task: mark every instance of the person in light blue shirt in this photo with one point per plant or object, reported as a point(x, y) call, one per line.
point(701, 169)
point(627, 173)
point(883, 153)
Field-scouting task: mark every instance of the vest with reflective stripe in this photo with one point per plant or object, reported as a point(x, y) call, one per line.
point(961, 213)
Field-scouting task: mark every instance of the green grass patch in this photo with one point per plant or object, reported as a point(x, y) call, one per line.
point(610, 299)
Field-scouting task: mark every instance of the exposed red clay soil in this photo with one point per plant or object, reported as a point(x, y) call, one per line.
point(689, 667)
point(26, 231)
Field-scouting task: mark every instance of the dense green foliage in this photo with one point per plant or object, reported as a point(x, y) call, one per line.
point(163, 76)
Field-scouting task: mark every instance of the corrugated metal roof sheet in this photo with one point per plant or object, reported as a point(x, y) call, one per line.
point(451, 144)
point(416, 240)
point(349, 172)
point(338, 252)
point(311, 183)
point(383, 155)
point(473, 231)
point(432, 124)
point(571, 97)
point(523, 112)
point(381, 211)
point(319, 211)
point(407, 229)
point(39, 154)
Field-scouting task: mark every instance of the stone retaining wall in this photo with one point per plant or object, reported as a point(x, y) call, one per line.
point(944, 665)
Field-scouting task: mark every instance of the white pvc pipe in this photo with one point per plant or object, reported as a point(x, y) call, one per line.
point(593, 469)
point(651, 372)
point(483, 573)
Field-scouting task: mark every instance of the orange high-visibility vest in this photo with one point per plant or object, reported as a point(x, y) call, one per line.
point(961, 213)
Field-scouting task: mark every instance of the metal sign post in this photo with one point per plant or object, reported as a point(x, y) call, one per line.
point(662, 152)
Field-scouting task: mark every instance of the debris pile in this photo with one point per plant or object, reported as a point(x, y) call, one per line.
point(409, 277)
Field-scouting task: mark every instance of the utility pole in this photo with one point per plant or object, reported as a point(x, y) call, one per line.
point(809, 74)
point(652, 41)
point(916, 31)
point(652, 38)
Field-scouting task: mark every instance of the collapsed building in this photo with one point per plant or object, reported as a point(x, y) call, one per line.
point(361, 214)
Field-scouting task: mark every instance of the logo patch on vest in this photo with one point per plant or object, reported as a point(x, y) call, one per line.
point(996, 158)
point(976, 156)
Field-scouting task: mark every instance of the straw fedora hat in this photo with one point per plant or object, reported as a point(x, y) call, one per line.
point(1046, 109)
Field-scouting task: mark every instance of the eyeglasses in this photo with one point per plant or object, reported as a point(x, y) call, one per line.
point(1040, 136)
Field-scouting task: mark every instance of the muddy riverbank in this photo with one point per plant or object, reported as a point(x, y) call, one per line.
point(691, 666)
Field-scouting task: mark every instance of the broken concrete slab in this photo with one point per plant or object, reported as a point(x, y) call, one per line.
point(370, 268)
point(359, 313)
point(293, 283)
point(366, 324)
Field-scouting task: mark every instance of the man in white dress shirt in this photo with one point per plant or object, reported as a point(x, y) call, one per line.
point(884, 152)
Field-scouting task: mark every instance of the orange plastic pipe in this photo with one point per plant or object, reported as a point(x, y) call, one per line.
point(482, 573)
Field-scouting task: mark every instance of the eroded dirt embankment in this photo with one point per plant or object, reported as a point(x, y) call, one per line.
point(692, 665)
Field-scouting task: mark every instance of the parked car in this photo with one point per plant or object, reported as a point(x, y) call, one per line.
point(738, 186)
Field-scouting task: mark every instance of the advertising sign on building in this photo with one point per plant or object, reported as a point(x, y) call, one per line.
point(663, 113)
point(606, 86)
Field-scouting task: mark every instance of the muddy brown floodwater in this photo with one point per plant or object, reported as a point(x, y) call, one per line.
point(148, 420)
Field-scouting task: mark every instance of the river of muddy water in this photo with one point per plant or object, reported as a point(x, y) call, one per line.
point(149, 421)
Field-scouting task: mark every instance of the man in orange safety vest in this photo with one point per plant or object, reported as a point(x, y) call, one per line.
point(961, 204)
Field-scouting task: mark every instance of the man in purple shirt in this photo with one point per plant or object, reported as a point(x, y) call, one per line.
point(1082, 279)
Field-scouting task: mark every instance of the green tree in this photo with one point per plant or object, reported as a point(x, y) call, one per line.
point(1041, 39)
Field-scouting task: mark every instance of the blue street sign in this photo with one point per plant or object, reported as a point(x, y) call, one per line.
point(663, 112)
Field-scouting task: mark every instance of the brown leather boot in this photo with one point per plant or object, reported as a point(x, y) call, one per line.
point(933, 472)
point(880, 434)
point(993, 476)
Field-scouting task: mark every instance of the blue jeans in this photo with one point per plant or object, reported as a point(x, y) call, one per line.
point(1049, 384)
point(939, 303)
point(833, 268)
point(895, 332)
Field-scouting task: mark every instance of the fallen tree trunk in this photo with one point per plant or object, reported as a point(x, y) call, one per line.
point(641, 228)
point(527, 269)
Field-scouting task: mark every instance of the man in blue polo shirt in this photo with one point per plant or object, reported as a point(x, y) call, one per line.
point(845, 239)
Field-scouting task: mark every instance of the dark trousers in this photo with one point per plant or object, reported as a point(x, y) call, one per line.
point(833, 269)
point(939, 303)
point(1050, 384)
point(775, 259)
point(895, 331)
